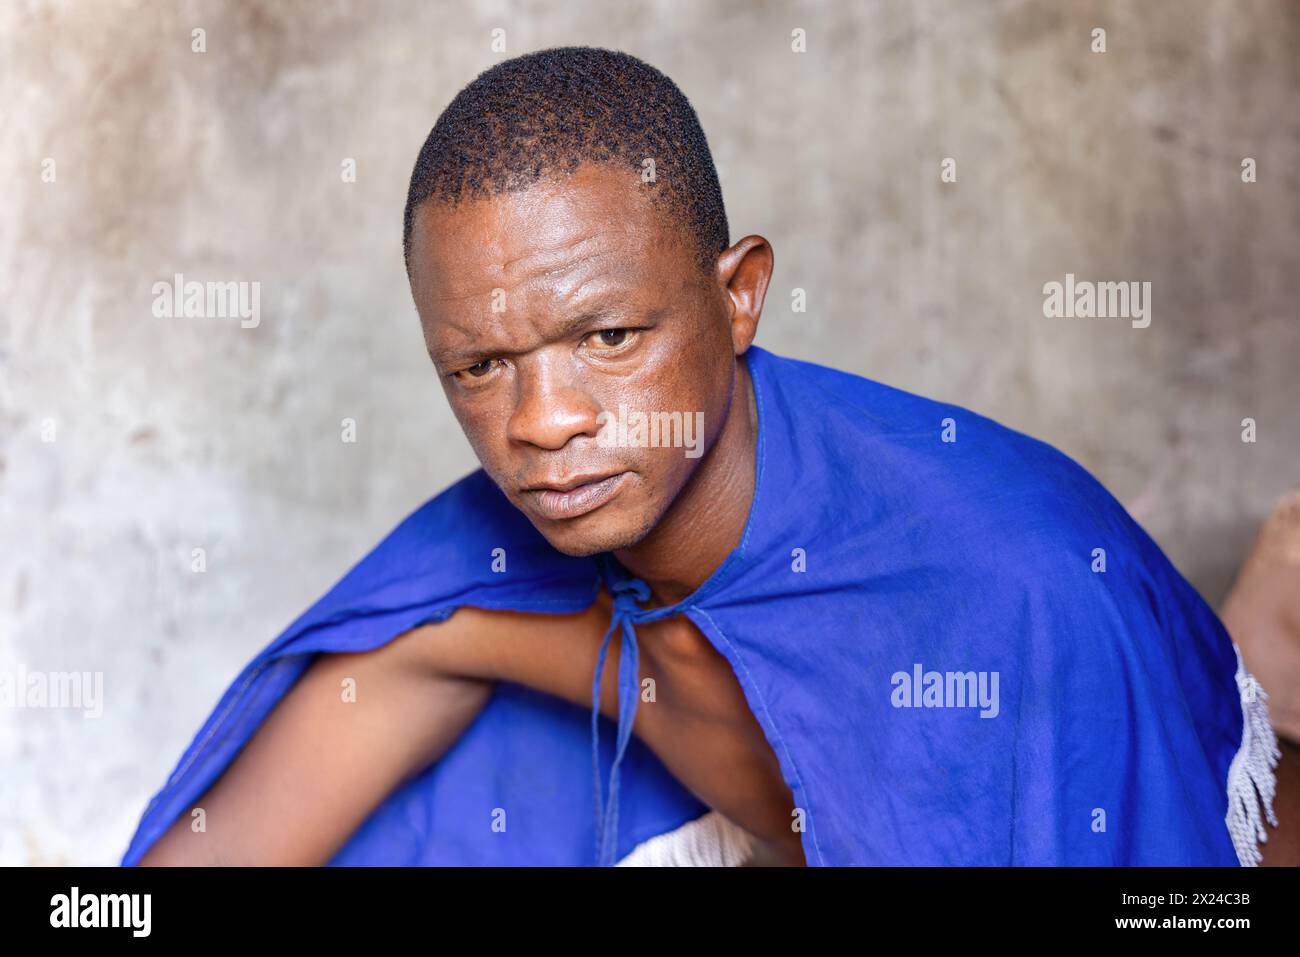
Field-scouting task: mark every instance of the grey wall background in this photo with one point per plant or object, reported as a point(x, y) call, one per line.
point(170, 434)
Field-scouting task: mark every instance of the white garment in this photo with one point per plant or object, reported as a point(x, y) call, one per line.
point(708, 841)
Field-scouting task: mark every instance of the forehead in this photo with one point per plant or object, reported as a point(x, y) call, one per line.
point(599, 220)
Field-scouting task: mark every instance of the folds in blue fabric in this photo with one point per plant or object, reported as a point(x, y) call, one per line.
point(960, 647)
point(527, 754)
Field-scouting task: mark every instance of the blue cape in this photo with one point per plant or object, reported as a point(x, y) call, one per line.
point(919, 618)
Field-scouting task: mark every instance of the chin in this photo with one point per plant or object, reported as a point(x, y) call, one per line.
point(578, 538)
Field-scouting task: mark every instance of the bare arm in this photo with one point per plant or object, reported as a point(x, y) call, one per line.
point(319, 764)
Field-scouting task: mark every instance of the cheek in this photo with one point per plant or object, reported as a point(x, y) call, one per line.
point(483, 429)
point(675, 381)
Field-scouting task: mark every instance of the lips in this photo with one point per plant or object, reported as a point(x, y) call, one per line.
point(576, 496)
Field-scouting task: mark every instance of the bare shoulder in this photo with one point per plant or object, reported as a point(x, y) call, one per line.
point(495, 644)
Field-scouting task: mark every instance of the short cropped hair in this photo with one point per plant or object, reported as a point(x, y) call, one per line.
point(544, 113)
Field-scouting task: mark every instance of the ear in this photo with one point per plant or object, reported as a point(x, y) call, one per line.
point(743, 273)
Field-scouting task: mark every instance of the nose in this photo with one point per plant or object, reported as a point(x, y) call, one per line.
point(551, 406)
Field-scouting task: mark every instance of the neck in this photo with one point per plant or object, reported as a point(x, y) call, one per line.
point(707, 519)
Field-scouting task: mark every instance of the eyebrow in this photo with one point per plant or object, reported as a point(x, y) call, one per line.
point(457, 358)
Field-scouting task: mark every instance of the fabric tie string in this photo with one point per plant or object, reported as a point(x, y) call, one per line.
point(626, 613)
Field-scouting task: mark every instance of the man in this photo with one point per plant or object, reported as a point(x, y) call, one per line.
point(809, 613)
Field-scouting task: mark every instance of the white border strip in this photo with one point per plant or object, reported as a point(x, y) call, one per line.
point(1251, 771)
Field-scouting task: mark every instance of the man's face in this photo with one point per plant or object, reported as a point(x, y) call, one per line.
point(544, 308)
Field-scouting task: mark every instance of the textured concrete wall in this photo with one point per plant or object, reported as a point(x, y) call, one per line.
point(127, 441)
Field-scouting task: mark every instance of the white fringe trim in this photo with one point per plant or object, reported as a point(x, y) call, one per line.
point(1251, 770)
point(708, 841)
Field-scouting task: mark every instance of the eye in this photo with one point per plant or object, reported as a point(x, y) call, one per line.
point(478, 370)
point(608, 339)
